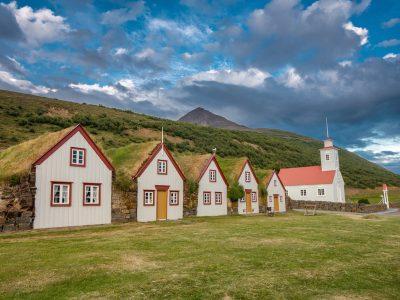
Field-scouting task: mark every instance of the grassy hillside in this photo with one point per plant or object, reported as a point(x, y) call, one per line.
point(24, 117)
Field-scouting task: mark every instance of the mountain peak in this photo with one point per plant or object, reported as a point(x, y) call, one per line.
point(201, 116)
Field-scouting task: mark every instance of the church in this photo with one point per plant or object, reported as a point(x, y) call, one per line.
point(316, 183)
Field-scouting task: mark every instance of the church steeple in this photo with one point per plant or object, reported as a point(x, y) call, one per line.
point(329, 154)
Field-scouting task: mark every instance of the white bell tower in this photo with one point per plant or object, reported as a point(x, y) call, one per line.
point(329, 154)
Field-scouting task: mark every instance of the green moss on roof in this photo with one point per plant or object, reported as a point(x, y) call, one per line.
point(17, 160)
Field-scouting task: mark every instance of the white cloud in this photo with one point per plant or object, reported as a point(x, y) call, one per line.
point(145, 53)
point(391, 23)
point(122, 15)
point(120, 51)
point(23, 85)
point(361, 32)
point(291, 78)
point(250, 78)
point(40, 26)
point(390, 56)
point(90, 88)
point(389, 43)
point(345, 63)
point(190, 32)
point(386, 150)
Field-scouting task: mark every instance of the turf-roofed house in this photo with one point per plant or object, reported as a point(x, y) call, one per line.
point(276, 193)
point(160, 187)
point(70, 177)
point(243, 173)
point(212, 185)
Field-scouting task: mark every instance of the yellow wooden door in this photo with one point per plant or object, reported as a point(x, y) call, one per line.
point(276, 203)
point(248, 202)
point(161, 205)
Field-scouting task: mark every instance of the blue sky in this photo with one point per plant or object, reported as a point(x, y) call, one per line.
point(278, 64)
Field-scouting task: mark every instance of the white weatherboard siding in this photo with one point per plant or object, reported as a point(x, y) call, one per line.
point(312, 192)
point(253, 186)
point(279, 190)
point(206, 186)
point(149, 179)
point(57, 168)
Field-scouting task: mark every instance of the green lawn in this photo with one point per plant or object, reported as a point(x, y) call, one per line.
point(288, 256)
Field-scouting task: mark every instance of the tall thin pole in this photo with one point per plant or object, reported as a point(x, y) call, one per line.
point(327, 128)
point(162, 135)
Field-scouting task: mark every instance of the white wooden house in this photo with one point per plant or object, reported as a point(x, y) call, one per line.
point(73, 181)
point(248, 179)
point(316, 183)
point(160, 187)
point(212, 192)
point(276, 193)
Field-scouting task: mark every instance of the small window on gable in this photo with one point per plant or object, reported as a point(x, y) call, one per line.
point(275, 183)
point(206, 198)
point(92, 194)
point(247, 176)
point(173, 198)
point(162, 167)
point(254, 196)
point(78, 157)
point(148, 198)
point(213, 175)
point(60, 194)
point(327, 157)
point(218, 198)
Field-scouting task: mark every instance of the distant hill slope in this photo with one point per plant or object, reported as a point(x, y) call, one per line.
point(201, 116)
point(25, 117)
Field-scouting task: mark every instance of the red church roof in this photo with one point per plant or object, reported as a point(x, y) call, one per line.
point(306, 176)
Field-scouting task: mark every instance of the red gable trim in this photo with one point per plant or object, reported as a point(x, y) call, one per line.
point(272, 175)
point(85, 134)
point(251, 169)
point(153, 154)
point(212, 158)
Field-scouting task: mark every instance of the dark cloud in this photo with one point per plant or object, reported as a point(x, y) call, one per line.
point(9, 28)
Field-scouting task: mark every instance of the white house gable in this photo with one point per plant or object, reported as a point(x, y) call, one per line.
point(249, 182)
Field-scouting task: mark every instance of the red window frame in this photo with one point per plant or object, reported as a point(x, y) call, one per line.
point(166, 166)
point(206, 193)
point(52, 204)
point(84, 193)
point(220, 194)
point(177, 197)
point(144, 197)
point(215, 175)
point(254, 197)
point(245, 176)
point(84, 157)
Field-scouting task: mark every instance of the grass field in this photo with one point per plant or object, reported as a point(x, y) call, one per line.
point(288, 256)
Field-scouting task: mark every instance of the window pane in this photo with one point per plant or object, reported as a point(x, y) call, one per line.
point(64, 194)
point(56, 196)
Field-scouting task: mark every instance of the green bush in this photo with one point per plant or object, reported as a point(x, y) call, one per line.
point(363, 201)
point(235, 192)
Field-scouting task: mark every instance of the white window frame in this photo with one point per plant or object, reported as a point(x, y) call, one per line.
point(321, 192)
point(208, 202)
point(254, 197)
point(247, 177)
point(327, 157)
point(94, 199)
point(64, 194)
point(303, 192)
point(213, 175)
point(218, 198)
point(78, 157)
point(173, 197)
point(148, 197)
point(162, 167)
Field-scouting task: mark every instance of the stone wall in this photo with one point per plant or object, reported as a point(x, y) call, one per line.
point(335, 206)
point(123, 208)
point(17, 206)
